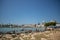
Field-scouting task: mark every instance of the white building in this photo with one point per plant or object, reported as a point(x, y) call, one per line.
point(41, 25)
point(58, 24)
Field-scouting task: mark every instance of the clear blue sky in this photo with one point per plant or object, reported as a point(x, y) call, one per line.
point(29, 11)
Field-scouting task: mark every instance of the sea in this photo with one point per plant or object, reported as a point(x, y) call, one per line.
point(18, 30)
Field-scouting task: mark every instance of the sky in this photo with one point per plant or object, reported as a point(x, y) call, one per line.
point(29, 11)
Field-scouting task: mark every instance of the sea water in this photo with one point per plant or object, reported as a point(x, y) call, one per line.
point(18, 30)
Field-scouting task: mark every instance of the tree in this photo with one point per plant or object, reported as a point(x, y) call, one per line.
point(49, 24)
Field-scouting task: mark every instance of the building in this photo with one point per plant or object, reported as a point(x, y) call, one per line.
point(40, 25)
point(58, 24)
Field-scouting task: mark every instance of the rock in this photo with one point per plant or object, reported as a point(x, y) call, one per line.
point(43, 39)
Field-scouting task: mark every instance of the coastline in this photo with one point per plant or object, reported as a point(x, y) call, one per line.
point(46, 35)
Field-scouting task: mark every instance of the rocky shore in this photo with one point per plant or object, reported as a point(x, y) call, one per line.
point(46, 35)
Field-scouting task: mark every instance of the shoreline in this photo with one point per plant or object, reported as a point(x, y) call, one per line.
point(46, 35)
